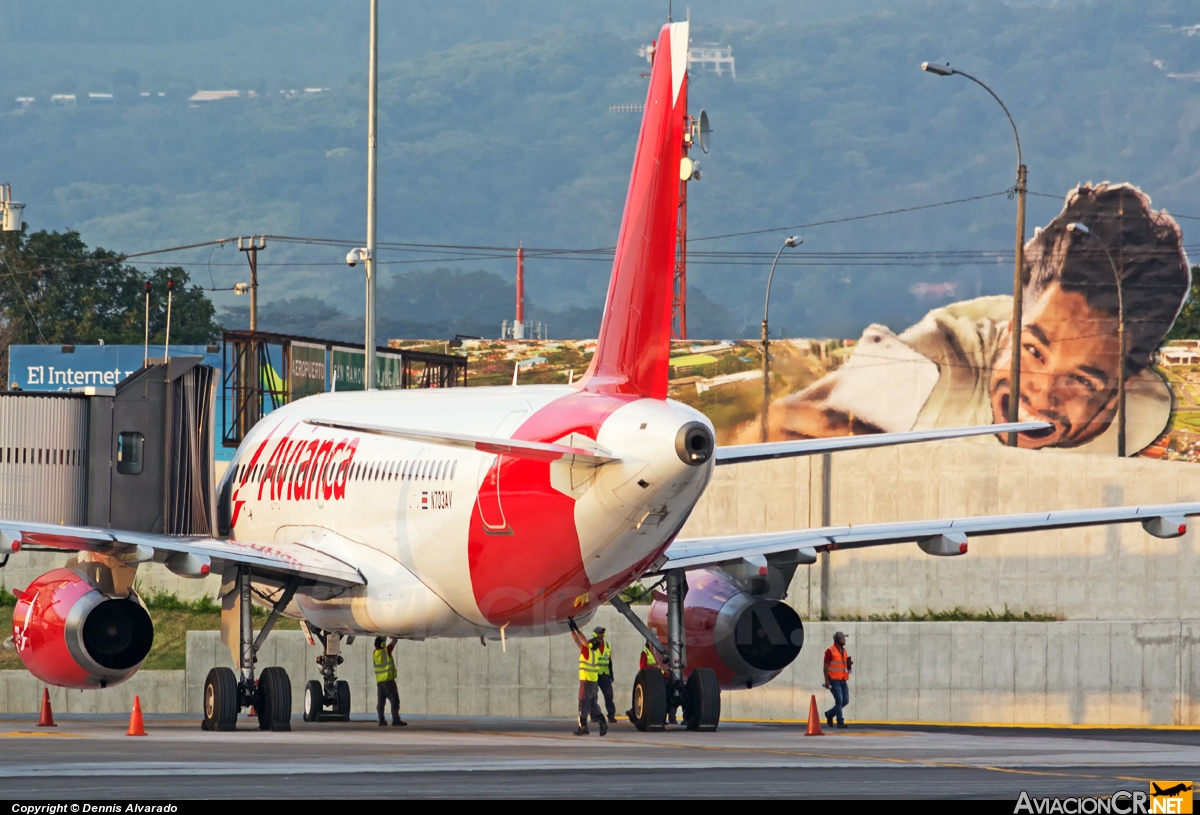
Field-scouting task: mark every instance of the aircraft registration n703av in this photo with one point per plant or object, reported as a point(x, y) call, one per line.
point(492, 512)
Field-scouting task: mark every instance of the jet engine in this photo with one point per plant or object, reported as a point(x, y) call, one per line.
point(746, 639)
point(70, 634)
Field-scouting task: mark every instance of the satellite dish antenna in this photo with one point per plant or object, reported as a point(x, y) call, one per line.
point(705, 131)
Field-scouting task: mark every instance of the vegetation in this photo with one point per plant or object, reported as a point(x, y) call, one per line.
point(954, 615)
point(54, 290)
point(499, 131)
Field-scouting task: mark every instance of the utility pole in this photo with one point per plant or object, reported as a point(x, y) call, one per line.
point(679, 284)
point(251, 246)
point(370, 375)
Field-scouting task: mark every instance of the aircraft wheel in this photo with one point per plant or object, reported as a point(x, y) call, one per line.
point(314, 697)
point(343, 700)
point(704, 700)
point(220, 700)
point(273, 700)
point(649, 700)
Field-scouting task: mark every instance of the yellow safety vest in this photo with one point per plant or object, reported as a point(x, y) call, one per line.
point(651, 658)
point(385, 666)
point(604, 659)
point(588, 666)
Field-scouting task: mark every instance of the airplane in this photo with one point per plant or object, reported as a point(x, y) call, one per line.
point(492, 512)
point(1170, 792)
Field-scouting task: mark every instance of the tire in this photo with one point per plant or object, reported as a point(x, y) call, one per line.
point(704, 700)
point(273, 700)
point(649, 707)
point(314, 699)
point(220, 702)
point(343, 700)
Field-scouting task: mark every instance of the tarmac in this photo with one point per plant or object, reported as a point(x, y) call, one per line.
point(89, 758)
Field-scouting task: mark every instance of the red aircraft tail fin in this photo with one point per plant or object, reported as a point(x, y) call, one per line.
point(635, 333)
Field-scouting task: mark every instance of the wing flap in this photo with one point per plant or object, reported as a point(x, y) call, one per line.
point(1161, 520)
point(286, 559)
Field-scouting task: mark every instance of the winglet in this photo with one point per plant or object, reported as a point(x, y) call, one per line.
point(634, 346)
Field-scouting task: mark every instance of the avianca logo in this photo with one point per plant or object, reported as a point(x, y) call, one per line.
point(303, 469)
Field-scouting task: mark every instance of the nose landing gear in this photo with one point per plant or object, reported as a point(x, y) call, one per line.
point(330, 692)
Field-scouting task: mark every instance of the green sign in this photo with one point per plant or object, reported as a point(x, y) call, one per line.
point(347, 370)
point(307, 372)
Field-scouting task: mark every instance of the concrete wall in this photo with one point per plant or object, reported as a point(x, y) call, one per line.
point(1134, 673)
point(1105, 573)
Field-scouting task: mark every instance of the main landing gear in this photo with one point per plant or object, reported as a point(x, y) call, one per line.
point(656, 692)
point(330, 692)
point(227, 693)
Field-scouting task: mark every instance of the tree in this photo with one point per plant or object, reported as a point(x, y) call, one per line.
point(55, 291)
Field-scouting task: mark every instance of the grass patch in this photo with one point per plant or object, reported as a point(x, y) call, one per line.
point(172, 618)
point(954, 615)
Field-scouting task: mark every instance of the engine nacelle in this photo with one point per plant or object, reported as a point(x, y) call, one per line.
point(746, 640)
point(70, 634)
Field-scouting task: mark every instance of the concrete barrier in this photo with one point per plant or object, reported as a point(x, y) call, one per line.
point(1098, 673)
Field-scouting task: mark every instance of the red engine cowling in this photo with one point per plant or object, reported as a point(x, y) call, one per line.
point(71, 635)
point(746, 640)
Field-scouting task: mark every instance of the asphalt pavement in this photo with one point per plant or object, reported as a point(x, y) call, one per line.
point(91, 758)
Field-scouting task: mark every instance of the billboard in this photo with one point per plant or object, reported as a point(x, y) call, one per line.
point(347, 369)
point(307, 374)
point(67, 367)
point(1108, 268)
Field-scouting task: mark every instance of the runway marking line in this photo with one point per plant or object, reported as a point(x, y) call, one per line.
point(1014, 725)
point(37, 734)
point(809, 754)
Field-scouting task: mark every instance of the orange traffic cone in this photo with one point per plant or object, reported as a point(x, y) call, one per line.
point(136, 726)
point(47, 717)
point(814, 720)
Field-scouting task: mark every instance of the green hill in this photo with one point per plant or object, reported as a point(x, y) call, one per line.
point(495, 128)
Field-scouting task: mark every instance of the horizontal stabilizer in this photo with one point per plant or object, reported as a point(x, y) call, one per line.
point(807, 447)
point(536, 450)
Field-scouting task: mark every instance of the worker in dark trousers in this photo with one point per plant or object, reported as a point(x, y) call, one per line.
point(605, 673)
point(588, 687)
point(385, 681)
point(837, 675)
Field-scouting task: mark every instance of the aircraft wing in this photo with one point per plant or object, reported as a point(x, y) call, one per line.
point(807, 447)
point(196, 556)
point(936, 537)
point(518, 448)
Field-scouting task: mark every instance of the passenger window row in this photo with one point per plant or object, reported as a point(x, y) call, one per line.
point(416, 470)
point(40, 455)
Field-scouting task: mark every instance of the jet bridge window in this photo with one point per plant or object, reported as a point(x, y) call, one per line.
point(130, 449)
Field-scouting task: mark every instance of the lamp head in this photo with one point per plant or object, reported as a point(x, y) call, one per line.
point(794, 240)
point(934, 68)
point(1078, 229)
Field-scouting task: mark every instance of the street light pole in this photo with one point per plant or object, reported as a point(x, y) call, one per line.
point(1014, 391)
point(766, 353)
point(1080, 229)
point(369, 373)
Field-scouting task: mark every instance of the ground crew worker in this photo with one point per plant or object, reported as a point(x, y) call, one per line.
point(589, 674)
point(385, 682)
point(605, 673)
point(837, 672)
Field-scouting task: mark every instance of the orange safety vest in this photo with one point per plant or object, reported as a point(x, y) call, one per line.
point(837, 663)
